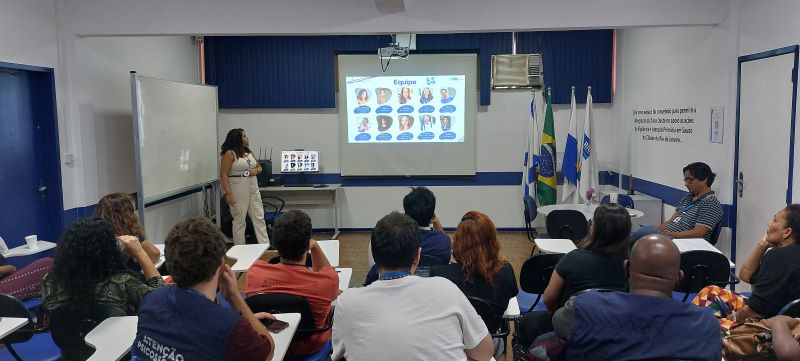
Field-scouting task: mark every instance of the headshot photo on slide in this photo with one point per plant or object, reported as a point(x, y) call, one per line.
point(362, 96)
point(405, 95)
point(384, 122)
point(447, 94)
point(447, 122)
point(363, 126)
point(384, 94)
point(405, 122)
point(426, 96)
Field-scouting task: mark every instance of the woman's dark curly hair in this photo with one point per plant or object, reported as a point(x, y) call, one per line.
point(118, 209)
point(233, 141)
point(87, 254)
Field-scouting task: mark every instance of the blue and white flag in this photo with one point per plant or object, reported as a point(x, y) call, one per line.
point(531, 159)
point(570, 162)
point(588, 167)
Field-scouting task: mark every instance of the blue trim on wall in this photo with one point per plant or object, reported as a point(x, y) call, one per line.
point(480, 179)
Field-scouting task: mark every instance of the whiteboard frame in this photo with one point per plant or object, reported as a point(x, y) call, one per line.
point(141, 200)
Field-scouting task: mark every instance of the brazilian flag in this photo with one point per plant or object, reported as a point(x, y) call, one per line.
point(546, 183)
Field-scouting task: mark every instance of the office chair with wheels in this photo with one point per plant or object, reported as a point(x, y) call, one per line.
point(535, 274)
point(792, 309)
point(622, 199)
point(567, 223)
point(287, 303)
point(498, 327)
point(69, 325)
point(704, 268)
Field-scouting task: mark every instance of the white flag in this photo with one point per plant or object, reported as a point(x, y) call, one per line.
point(531, 160)
point(588, 166)
point(570, 160)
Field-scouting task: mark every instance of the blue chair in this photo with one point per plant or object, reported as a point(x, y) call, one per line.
point(715, 234)
point(530, 214)
point(622, 199)
point(567, 224)
point(10, 306)
point(535, 275)
point(273, 209)
point(703, 268)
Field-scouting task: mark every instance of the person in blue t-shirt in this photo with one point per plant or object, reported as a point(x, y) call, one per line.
point(420, 204)
point(446, 97)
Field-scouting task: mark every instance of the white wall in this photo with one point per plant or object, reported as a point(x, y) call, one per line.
point(120, 17)
point(678, 67)
point(103, 98)
point(500, 144)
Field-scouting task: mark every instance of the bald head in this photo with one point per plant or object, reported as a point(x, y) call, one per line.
point(654, 266)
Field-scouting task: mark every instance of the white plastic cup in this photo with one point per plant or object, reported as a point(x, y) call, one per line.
point(33, 241)
point(613, 197)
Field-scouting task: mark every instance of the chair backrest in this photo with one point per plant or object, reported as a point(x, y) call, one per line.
point(426, 263)
point(278, 302)
point(530, 208)
point(703, 268)
point(715, 234)
point(536, 271)
point(622, 199)
point(69, 325)
point(10, 306)
point(485, 310)
point(226, 222)
point(273, 208)
point(567, 223)
point(792, 309)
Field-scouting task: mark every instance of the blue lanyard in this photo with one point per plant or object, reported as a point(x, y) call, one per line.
point(393, 275)
point(694, 203)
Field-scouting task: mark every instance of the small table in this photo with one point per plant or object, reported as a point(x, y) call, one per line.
point(697, 244)
point(344, 277)
point(331, 250)
point(555, 245)
point(309, 196)
point(284, 338)
point(24, 250)
point(11, 324)
point(588, 211)
point(245, 255)
point(161, 258)
point(112, 338)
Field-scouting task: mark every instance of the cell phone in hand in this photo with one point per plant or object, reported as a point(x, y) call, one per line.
point(275, 326)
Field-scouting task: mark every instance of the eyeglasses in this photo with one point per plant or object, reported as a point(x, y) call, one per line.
point(689, 179)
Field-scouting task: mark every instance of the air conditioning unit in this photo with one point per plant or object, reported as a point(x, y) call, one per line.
point(517, 71)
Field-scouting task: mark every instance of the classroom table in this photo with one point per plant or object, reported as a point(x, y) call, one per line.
point(24, 250)
point(697, 244)
point(114, 337)
point(512, 311)
point(588, 211)
point(245, 255)
point(161, 258)
point(344, 277)
point(11, 324)
point(330, 248)
point(555, 245)
point(308, 196)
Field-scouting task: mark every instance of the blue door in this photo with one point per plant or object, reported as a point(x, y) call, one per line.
point(30, 174)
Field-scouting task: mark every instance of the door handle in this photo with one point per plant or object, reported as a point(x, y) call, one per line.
point(42, 188)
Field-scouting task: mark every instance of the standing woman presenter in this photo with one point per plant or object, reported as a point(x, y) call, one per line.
point(237, 173)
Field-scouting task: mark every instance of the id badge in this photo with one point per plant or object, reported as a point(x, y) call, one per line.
point(246, 173)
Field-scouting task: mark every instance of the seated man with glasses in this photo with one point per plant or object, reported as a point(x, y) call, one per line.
point(697, 213)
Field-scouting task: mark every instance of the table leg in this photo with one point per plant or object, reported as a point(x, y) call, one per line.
point(335, 215)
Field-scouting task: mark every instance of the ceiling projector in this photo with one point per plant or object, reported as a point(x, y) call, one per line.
point(393, 51)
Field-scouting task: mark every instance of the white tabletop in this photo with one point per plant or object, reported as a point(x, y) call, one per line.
point(330, 248)
point(512, 311)
point(697, 244)
point(588, 211)
point(10, 324)
point(555, 245)
point(344, 277)
point(24, 250)
point(161, 258)
point(284, 338)
point(245, 255)
point(112, 338)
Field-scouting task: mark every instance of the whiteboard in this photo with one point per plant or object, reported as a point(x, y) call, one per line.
point(175, 136)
